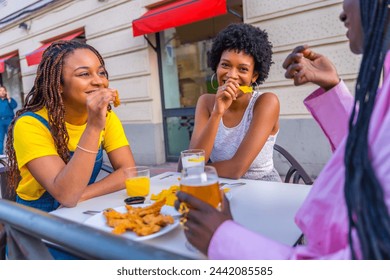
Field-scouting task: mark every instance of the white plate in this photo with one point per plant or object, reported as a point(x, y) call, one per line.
point(99, 221)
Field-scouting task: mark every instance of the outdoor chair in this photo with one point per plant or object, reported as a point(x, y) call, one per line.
point(294, 175)
point(296, 172)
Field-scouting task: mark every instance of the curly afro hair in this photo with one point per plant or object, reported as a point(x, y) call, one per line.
point(247, 38)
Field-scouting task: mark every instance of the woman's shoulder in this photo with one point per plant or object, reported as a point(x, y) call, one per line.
point(207, 97)
point(206, 100)
point(267, 99)
point(111, 116)
point(112, 120)
point(32, 123)
point(30, 117)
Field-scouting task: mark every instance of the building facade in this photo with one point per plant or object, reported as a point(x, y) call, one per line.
point(161, 72)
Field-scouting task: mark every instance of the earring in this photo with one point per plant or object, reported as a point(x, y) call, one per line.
point(255, 85)
point(212, 83)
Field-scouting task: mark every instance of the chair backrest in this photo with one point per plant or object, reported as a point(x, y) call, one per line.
point(296, 172)
point(3, 180)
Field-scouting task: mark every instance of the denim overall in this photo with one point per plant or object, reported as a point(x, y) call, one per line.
point(47, 202)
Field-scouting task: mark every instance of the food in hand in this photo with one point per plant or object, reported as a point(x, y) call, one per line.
point(117, 101)
point(183, 210)
point(245, 89)
point(141, 220)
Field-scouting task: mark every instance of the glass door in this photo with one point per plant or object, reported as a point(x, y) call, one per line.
point(11, 78)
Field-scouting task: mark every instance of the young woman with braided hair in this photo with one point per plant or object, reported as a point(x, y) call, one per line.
point(346, 214)
point(56, 141)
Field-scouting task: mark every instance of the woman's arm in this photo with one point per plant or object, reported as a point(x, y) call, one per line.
point(12, 103)
point(331, 110)
point(67, 182)
point(264, 123)
point(245, 244)
point(206, 125)
point(120, 159)
point(209, 111)
point(222, 238)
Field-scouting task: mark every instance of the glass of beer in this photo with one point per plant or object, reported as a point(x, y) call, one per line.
point(137, 181)
point(203, 185)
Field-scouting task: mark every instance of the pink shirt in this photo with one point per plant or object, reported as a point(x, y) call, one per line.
point(323, 216)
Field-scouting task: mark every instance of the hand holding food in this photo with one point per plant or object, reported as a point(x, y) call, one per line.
point(225, 95)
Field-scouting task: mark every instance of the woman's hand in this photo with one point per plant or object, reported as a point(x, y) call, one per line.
point(303, 65)
point(226, 94)
point(97, 103)
point(202, 219)
point(7, 95)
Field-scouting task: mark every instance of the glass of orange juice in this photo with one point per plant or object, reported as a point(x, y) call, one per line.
point(137, 181)
point(203, 185)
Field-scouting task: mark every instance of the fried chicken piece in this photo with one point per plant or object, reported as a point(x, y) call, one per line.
point(160, 220)
point(117, 101)
point(113, 214)
point(155, 208)
point(147, 230)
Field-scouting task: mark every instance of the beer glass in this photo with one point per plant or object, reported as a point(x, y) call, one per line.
point(203, 185)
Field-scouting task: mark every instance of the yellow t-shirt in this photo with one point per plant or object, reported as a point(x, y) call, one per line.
point(32, 140)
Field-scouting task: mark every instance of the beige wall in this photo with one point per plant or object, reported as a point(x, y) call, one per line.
point(289, 24)
point(293, 23)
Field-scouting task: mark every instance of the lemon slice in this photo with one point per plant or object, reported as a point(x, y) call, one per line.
point(246, 89)
point(199, 159)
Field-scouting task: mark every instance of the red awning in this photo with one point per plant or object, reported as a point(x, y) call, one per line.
point(176, 14)
point(3, 59)
point(35, 57)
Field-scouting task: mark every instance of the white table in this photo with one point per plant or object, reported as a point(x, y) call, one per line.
point(265, 207)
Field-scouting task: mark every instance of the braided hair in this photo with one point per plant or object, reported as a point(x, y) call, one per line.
point(367, 211)
point(46, 93)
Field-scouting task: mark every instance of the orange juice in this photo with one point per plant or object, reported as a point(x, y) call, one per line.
point(138, 186)
point(208, 192)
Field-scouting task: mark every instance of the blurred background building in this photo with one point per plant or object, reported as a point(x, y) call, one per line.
point(156, 56)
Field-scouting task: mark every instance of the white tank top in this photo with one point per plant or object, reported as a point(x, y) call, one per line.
point(228, 139)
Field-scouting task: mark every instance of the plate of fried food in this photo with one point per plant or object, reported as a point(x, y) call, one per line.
point(137, 222)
